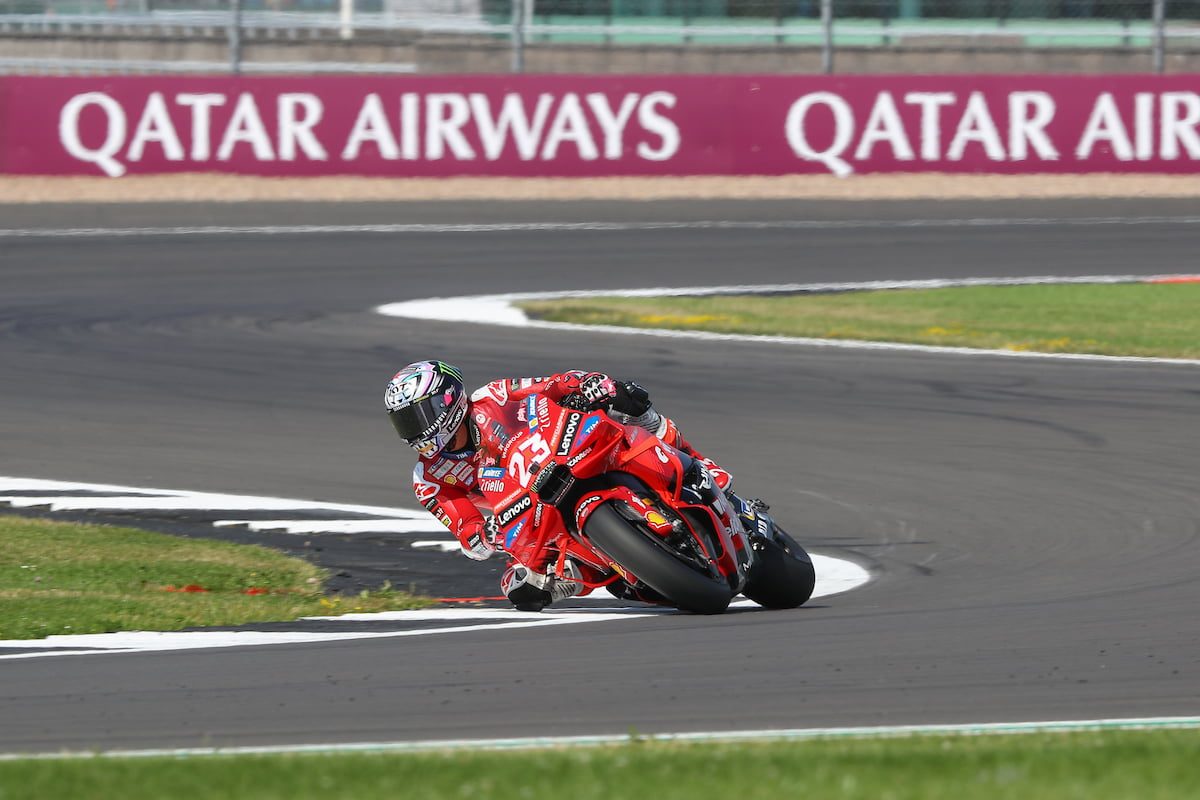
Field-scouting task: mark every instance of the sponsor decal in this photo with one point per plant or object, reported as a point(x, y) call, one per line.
point(657, 521)
point(511, 535)
point(492, 486)
point(531, 413)
point(456, 416)
point(537, 514)
point(491, 472)
point(580, 456)
point(517, 384)
point(368, 122)
point(589, 425)
point(582, 509)
point(463, 456)
point(518, 508)
point(601, 125)
point(569, 431)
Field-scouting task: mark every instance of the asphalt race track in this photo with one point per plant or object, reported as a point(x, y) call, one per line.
point(1034, 525)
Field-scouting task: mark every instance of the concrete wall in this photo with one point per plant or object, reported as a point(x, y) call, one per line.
point(463, 54)
point(208, 46)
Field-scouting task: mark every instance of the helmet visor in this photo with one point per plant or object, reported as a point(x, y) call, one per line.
point(417, 418)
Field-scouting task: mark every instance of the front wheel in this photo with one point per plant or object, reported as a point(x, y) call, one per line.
point(655, 564)
point(782, 575)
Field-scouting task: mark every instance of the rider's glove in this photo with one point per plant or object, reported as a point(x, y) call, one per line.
point(597, 390)
point(480, 543)
point(631, 399)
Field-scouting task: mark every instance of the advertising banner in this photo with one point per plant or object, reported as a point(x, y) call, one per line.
point(572, 126)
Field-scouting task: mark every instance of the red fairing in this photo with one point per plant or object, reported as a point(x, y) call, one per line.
point(546, 468)
point(658, 465)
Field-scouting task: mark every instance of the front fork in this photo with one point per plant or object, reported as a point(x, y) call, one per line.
point(735, 515)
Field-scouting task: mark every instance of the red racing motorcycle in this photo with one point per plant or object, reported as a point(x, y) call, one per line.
point(633, 514)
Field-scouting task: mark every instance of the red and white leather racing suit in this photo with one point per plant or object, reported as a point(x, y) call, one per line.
point(446, 484)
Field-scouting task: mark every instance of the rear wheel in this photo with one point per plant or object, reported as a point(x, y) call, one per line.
point(782, 575)
point(655, 564)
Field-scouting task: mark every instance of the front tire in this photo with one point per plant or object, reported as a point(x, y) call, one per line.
point(656, 565)
point(782, 575)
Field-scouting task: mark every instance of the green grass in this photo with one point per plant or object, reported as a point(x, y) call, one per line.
point(1114, 765)
point(64, 578)
point(1119, 319)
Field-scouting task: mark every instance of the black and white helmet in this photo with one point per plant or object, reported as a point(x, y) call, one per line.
point(426, 402)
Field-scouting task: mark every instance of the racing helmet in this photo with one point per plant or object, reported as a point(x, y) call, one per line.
point(426, 402)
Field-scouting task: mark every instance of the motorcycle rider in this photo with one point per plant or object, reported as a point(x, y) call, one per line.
point(430, 409)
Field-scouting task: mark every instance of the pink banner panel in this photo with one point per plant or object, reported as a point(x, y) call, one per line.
point(571, 126)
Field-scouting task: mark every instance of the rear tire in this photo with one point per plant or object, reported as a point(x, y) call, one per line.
point(782, 575)
point(647, 557)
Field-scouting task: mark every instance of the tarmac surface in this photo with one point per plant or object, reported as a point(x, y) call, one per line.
point(1034, 526)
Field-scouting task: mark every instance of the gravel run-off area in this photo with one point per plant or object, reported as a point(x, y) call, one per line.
point(238, 188)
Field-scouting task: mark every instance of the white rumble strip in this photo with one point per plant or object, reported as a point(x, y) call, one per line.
point(834, 575)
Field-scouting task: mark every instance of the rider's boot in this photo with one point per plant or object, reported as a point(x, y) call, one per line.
point(529, 590)
point(665, 429)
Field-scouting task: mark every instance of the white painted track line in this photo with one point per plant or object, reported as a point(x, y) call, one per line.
point(834, 576)
point(30, 493)
point(505, 227)
point(196, 502)
point(161, 641)
point(336, 526)
point(501, 309)
point(542, 742)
